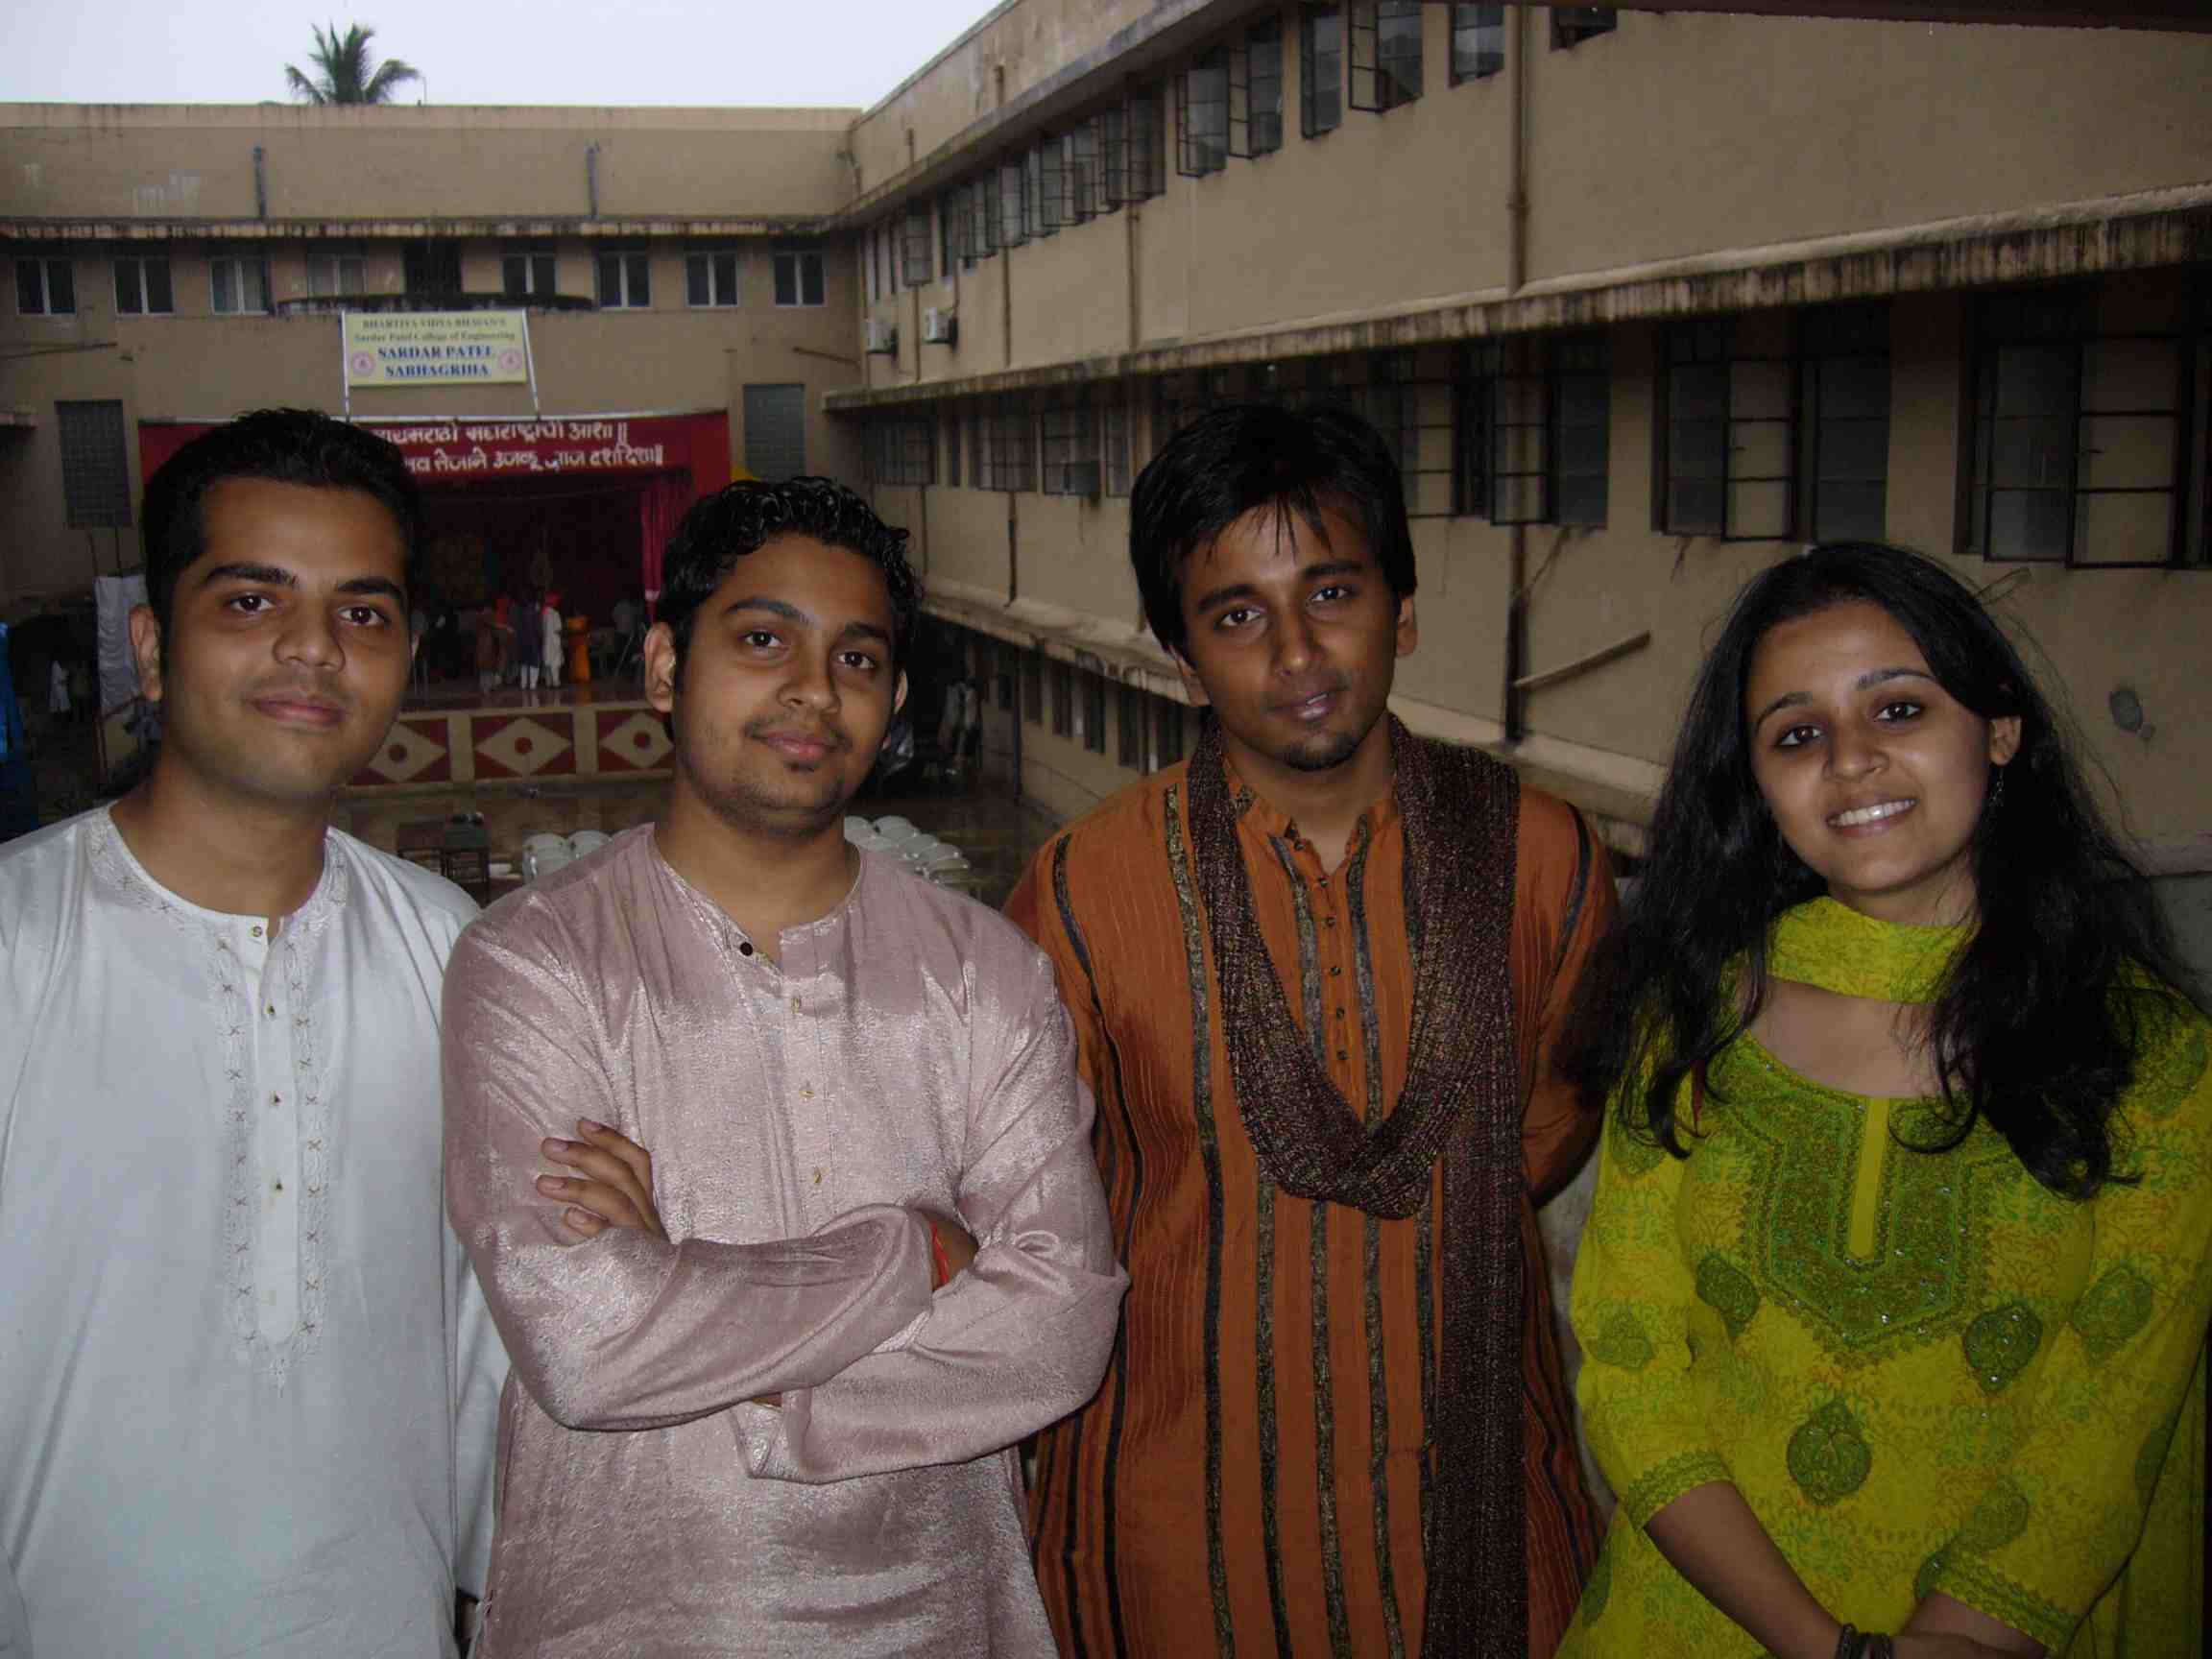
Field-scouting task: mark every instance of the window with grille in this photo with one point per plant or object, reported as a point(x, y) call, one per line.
point(1477, 41)
point(1068, 433)
point(1572, 25)
point(2078, 430)
point(949, 223)
point(1534, 430)
point(1202, 116)
point(775, 431)
point(334, 274)
point(710, 277)
point(1114, 433)
point(1409, 404)
point(918, 247)
point(95, 465)
point(526, 272)
point(1385, 54)
point(432, 266)
point(1320, 70)
point(1145, 154)
point(1062, 700)
point(1094, 713)
point(1581, 386)
point(1036, 213)
point(1006, 447)
point(1167, 733)
point(237, 283)
point(1033, 687)
point(797, 275)
point(1086, 186)
point(46, 286)
point(1844, 385)
point(625, 278)
point(1256, 91)
point(1129, 728)
point(142, 286)
point(951, 420)
point(1727, 389)
point(1013, 202)
point(903, 452)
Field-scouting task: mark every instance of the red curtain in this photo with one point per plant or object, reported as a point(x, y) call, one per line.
point(661, 507)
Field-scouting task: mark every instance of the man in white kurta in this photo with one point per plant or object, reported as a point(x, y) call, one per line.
point(236, 1327)
point(244, 1378)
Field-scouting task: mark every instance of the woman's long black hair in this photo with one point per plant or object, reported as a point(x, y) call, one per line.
point(2036, 1026)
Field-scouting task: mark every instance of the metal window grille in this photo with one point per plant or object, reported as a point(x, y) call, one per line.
point(1581, 386)
point(625, 278)
point(903, 452)
point(710, 277)
point(432, 266)
point(1147, 173)
point(1167, 734)
point(1002, 666)
point(983, 204)
point(2079, 435)
point(1069, 434)
point(95, 465)
point(951, 422)
point(1062, 700)
point(1729, 429)
point(1114, 158)
point(45, 287)
point(1572, 25)
point(1036, 217)
point(1006, 453)
point(1321, 70)
point(1013, 204)
point(238, 283)
point(1478, 42)
point(1113, 429)
point(527, 272)
point(1413, 413)
point(950, 229)
point(1080, 158)
point(918, 251)
point(775, 431)
point(1202, 116)
point(1845, 423)
point(1255, 95)
point(1129, 728)
point(142, 286)
point(1094, 713)
point(798, 277)
point(1033, 687)
point(1054, 209)
point(1385, 40)
point(1479, 367)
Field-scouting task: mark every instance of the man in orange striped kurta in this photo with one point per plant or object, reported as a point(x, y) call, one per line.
point(1261, 1470)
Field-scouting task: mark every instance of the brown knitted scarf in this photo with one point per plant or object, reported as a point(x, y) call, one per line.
point(1462, 1100)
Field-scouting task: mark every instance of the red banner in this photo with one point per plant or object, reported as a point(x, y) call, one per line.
point(458, 452)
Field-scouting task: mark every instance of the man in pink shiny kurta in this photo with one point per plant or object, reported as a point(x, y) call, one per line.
point(767, 1379)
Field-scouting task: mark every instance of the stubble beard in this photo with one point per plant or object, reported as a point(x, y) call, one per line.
point(756, 811)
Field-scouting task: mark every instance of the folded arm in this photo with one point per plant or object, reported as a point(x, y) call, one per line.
point(626, 1330)
point(1021, 1337)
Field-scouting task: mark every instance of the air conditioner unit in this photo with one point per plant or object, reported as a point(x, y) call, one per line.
point(881, 337)
point(940, 327)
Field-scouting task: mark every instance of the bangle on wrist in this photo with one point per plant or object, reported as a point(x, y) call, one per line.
point(940, 1264)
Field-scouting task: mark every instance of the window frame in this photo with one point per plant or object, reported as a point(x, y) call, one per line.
point(141, 267)
point(90, 502)
point(918, 245)
point(1069, 463)
point(632, 265)
point(1091, 715)
point(1314, 118)
point(802, 261)
point(1470, 23)
point(1256, 71)
point(44, 266)
point(1006, 446)
point(237, 265)
point(901, 451)
point(1394, 73)
point(1062, 677)
point(533, 262)
point(1714, 344)
point(1202, 114)
point(1572, 25)
point(708, 260)
point(1829, 337)
point(335, 262)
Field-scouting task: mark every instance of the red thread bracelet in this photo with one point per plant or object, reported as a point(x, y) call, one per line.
point(940, 1264)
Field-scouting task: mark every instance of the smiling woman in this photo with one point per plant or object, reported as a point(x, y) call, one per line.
point(1901, 1256)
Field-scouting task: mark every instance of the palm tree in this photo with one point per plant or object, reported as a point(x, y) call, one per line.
point(348, 74)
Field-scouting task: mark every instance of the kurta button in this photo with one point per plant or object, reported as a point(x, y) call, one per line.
point(1342, 1055)
point(817, 1177)
point(255, 931)
point(271, 1010)
point(1335, 971)
point(744, 947)
point(806, 1091)
point(794, 1005)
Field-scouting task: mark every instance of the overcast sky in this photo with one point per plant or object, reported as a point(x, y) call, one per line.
point(814, 51)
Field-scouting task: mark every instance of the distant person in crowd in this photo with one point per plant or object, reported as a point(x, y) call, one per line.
point(57, 703)
point(237, 1331)
point(1317, 971)
point(527, 617)
point(551, 641)
point(488, 650)
point(770, 1376)
point(1893, 1295)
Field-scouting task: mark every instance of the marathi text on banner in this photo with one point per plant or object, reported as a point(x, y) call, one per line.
point(441, 450)
point(436, 347)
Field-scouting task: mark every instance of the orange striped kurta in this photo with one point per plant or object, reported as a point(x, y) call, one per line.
point(1252, 1477)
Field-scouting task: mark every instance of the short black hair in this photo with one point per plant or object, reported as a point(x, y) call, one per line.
point(285, 446)
point(1242, 456)
point(745, 516)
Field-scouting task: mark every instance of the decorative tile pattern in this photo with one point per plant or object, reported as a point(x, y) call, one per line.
point(415, 753)
point(525, 745)
point(635, 743)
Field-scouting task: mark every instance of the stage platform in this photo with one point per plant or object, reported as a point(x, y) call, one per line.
point(452, 734)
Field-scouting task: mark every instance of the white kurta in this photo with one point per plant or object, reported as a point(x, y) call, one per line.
point(235, 1332)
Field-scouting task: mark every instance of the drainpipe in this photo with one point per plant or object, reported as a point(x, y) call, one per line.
point(592, 179)
point(1516, 700)
point(260, 183)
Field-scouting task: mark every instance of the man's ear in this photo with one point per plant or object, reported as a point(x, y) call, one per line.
point(1193, 686)
point(898, 696)
point(146, 651)
point(1408, 627)
point(661, 667)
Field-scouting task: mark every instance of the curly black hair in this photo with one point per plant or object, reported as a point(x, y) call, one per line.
point(746, 515)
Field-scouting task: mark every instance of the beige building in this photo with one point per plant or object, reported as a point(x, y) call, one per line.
point(1644, 298)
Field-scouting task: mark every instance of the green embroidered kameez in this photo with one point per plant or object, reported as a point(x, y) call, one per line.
point(1924, 1371)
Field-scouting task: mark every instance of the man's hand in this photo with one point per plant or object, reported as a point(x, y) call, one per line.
point(614, 1186)
point(955, 1240)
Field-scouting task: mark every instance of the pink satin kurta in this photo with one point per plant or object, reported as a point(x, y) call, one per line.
point(909, 1049)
